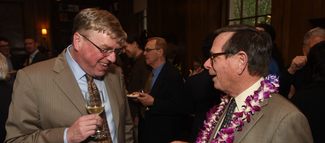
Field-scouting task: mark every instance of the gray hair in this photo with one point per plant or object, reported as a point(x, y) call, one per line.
point(3, 67)
point(318, 32)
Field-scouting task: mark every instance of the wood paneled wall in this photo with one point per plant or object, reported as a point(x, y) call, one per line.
point(129, 21)
point(290, 19)
point(191, 20)
point(188, 20)
point(36, 15)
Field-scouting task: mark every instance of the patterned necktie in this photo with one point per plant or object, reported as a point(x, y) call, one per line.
point(30, 60)
point(94, 95)
point(229, 113)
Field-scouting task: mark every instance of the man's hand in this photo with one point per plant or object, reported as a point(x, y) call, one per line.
point(13, 72)
point(199, 70)
point(83, 128)
point(297, 63)
point(145, 99)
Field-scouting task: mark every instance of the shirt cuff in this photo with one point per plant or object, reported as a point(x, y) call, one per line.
point(65, 135)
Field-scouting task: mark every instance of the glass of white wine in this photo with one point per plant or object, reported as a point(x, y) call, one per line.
point(95, 105)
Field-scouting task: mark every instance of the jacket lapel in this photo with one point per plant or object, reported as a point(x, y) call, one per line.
point(160, 81)
point(112, 94)
point(63, 80)
point(239, 135)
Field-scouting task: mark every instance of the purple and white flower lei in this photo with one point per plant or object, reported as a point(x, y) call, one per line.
point(226, 135)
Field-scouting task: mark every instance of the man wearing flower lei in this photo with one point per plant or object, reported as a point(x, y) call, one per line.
point(240, 56)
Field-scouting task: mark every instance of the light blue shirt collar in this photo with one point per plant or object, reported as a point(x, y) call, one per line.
point(158, 69)
point(155, 74)
point(76, 69)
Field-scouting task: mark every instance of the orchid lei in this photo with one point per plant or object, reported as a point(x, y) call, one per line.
point(226, 135)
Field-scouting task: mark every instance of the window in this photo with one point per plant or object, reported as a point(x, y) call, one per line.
point(249, 11)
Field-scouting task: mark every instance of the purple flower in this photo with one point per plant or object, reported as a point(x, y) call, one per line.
point(272, 78)
point(230, 139)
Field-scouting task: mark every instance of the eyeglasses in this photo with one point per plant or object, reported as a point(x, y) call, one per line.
point(3, 46)
point(106, 52)
point(213, 55)
point(148, 50)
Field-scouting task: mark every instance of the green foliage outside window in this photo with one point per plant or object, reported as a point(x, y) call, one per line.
point(253, 10)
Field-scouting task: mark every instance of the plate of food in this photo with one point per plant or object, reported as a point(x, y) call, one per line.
point(132, 95)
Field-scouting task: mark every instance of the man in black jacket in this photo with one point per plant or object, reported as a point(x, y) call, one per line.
point(161, 119)
point(34, 55)
point(293, 78)
point(200, 92)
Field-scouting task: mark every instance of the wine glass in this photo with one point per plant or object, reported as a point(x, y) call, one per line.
point(142, 91)
point(95, 105)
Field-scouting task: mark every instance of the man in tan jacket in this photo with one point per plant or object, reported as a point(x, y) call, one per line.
point(48, 100)
point(240, 56)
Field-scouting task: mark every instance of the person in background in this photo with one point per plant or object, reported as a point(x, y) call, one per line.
point(160, 120)
point(139, 69)
point(32, 48)
point(13, 63)
point(171, 52)
point(197, 66)
point(6, 91)
point(251, 111)
point(139, 74)
point(48, 103)
point(310, 99)
point(200, 92)
point(293, 78)
point(49, 54)
point(277, 63)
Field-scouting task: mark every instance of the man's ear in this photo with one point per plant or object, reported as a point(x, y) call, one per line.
point(242, 62)
point(76, 41)
point(161, 52)
point(134, 43)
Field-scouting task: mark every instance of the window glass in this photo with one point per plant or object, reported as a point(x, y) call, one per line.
point(264, 7)
point(249, 7)
point(250, 12)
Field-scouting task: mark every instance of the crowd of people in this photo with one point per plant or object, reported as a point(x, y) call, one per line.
point(242, 93)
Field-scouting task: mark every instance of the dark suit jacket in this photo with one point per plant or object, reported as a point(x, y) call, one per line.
point(6, 91)
point(201, 94)
point(287, 79)
point(38, 58)
point(16, 62)
point(310, 101)
point(162, 122)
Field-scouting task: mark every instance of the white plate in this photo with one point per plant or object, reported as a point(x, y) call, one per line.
point(132, 95)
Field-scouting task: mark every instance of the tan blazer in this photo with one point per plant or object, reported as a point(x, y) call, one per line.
point(47, 99)
point(279, 121)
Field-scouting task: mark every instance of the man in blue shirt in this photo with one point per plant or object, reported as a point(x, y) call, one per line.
point(48, 102)
point(161, 120)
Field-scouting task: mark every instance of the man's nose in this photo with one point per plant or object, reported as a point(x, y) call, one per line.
point(208, 64)
point(111, 57)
